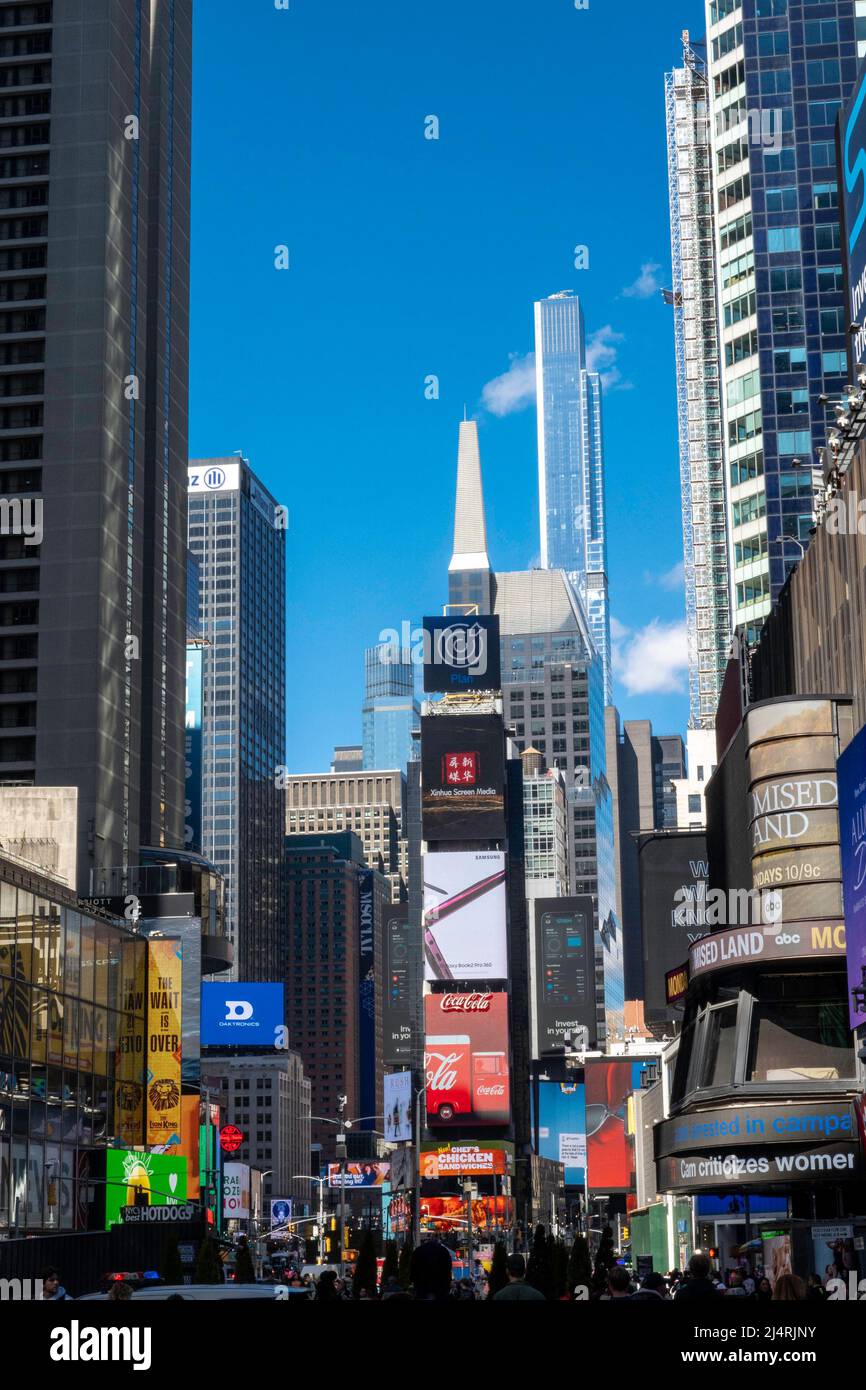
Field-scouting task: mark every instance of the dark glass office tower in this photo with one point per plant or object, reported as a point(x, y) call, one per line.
point(94, 287)
point(778, 70)
point(236, 533)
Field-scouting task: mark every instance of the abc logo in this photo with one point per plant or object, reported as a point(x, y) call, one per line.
point(214, 478)
point(786, 940)
point(771, 905)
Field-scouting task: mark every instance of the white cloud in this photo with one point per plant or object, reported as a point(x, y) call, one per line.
point(514, 390)
point(651, 660)
point(647, 283)
point(601, 351)
point(672, 579)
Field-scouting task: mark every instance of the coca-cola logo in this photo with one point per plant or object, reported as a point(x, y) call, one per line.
point(440, 1069)
point(466, 1003)
point(490, 1090)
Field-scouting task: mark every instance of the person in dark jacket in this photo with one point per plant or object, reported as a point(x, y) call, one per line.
point(430, 1271)
point(699, 1283)
point(517, 1287)
point(652, 1290)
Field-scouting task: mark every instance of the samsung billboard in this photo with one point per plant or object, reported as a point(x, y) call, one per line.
point(464, 916)
point(237, 1014)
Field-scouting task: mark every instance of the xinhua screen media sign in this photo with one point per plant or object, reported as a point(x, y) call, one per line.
point(236, 1014)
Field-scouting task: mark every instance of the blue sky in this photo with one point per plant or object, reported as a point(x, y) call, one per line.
point(412, 257)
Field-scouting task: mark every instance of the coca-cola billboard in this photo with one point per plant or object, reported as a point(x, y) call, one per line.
point(466, 1060)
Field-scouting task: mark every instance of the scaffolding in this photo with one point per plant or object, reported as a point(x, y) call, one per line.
point(696, 331)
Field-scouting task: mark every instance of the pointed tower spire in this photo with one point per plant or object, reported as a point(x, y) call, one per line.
point(469, 571)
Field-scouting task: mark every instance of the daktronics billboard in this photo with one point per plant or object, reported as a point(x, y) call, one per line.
point(673, 872)
point(358, 1174)
point(441, 1161)
point(237, 1013)
point(466, 1060)
point(852, 837)
point(609, 1142)
point(462, 777)
point(564, 972)
point(464, 916)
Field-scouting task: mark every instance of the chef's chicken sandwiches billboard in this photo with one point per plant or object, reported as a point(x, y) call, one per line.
point(466, 1060)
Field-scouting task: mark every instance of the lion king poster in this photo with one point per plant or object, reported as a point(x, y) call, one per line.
point(164, 969)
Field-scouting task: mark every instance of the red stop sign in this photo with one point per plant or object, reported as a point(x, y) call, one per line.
point(231, 1138)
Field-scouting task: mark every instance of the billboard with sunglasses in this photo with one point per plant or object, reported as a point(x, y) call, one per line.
point(464, 916)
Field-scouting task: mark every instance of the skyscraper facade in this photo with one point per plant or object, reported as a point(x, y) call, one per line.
point(571, 463)
point(237, 534)
point(553, 695)
point(94, 258)
point(390, 710)
point(778, 71)
point(372, 804)
point(699, 411)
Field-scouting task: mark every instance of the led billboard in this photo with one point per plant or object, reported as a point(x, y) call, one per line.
point(401, 970)
point(193, 749)
point(461, 654)
point(462, 777)
point(133, 1177)
point(562, 1127)
point(466, 1062)
point(609, 1145)
point(673, 871)
point(236, 1191)
point(851, 769)
point(851, 154)
point(238, 1014)
point(464, 916)
point(564, 973)
point(465, 1160)
point(359, 1174)
point(398, 1107)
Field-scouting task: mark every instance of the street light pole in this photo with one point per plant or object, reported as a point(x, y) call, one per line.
point(416, 1215)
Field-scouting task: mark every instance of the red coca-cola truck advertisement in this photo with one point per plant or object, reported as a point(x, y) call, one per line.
point(466, 1059)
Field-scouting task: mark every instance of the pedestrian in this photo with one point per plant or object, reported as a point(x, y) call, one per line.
point(735, 1287)
point(789, 1288)
point(764, 1291)
point(815, 1291)
point(699, 1283)
point(517, 1287)
point(618, 1284)
point(430, 1271)
point(652, 1290)
point(52, 1289)
point(120, 1291)
point(326, 1287)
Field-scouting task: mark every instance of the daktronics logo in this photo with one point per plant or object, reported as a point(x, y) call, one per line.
point(465, 1003)
point(238, 1010)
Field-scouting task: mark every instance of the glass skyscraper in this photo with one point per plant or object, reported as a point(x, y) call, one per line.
point(778, 71)
point(571, 463)
point(702, 468)
point(390, 711)
point(237, 536)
